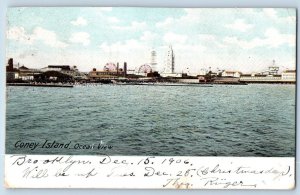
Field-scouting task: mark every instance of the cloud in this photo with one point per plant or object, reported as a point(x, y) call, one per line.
point(19, 34)
point(192, 16)
point(171, 38)
point(240, 25)
point(272, 39)
point(148, 36)
point(166, 23)
point(289, 19)
point(125, 46)
point(105, 9)
point(79, 22)
point(210, 40)
point(133, 26)
point(48, 37)
point(270, 12)
point(80, 37)
point(39, 34)
point(124, 50)
point(113, 20)
point(206, 37)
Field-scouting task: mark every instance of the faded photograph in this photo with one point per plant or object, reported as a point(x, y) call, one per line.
point(151, 81)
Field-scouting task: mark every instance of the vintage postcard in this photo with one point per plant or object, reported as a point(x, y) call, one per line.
point(168, 98)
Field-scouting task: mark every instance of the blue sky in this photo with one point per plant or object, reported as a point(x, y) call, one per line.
point(232, 39)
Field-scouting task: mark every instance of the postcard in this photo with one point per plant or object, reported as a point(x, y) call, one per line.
point(151, 98)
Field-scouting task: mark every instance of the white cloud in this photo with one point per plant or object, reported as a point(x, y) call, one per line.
point(289, 19)
point(124, 50)
point(138, 25)
point(210, 40)
point(172, 38)
point(80, 21)
point(270, 12)
point(48, 37)
point(148, 36)
point(122, 47)
point(80, 37)
point(113, 20)
point(188, 49)
point(240, 25)
point(192, 15)
point(39, 34)
point(273, 39)
point(166, 23)
point(18, 33)
point(206, 37)
point(105, 9)
point(133, 26)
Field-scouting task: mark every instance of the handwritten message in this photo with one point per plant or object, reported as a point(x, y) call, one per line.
point(48, 171)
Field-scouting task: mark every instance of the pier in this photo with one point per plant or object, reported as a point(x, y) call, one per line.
point(39, 85)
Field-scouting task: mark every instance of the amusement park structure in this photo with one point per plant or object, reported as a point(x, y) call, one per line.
point(144, 69)
point(272, 70)
point(153, 62)
point(170, 61)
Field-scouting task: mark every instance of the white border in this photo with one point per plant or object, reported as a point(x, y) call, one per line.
point(149, 172)
point(153, 3)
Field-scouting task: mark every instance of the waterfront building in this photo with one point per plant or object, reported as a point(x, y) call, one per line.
point(235, 74)
point(272, 70)
point(65, 69)
point(171, 74)
point(289, 75)
point(11, 72)
point(110, 71)
point(28, 74)
point(270, 76)
point(53, 76)
point(103, 74)
point(259, 78)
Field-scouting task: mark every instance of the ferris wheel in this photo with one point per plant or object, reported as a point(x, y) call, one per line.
point(110, 67)
point(145, 68)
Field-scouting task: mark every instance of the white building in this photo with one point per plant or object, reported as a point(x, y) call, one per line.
point(170, 61)
point(289, 75)
point(260, 78)
point(171, 74)
point(235, 74)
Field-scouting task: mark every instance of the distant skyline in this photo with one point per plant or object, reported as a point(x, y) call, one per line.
point(241, 39)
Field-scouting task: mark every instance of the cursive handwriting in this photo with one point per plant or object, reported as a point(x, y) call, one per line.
point(169, 172)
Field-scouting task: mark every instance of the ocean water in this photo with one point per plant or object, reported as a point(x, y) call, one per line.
point(223, 120)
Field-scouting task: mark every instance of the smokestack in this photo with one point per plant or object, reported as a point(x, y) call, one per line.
point(125, 69)
point(117, 68)
point(10, 64)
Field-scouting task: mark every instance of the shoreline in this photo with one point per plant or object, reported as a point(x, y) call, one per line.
point(39, 85)
point(171, 84)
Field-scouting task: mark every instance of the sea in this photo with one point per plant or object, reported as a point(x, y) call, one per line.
point(256, 120)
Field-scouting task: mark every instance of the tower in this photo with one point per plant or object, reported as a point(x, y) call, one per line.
point(153, 62)
point(125, 69)
point(170, 61)
point(273, 70)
